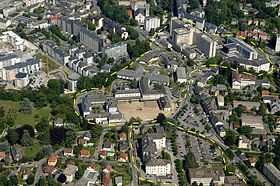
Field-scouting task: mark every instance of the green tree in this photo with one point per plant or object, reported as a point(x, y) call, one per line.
point(42, 181)
point(13, 181)
point(56, 86)
point(26, 106)
point(69, 138)
point(30, 179)
point(245, 130)
point(12, 136)
point(26, 139)
point(230, 137)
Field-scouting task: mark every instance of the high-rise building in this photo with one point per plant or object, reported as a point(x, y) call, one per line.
point(205, 44)
point(181, 36)
point(277, 43)
point(151, 23)
point(90, 39)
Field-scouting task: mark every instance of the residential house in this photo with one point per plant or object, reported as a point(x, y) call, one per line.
point(123, 157)
point(52, 160)
point(118, 181)
point(70, 172)
point(2, 155)
point(84, 153)
point(244, 143)
point(239, 81)
point(122, 136)
point(68, 152)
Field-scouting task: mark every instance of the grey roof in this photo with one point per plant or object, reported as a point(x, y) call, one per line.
point(210, 26)
point(118, 180)
point(181, 72)
point(145, 88)
point(159, 78)
point(21, 75)
point(157, 162)
point(256, 62)
point(74, 76)
point(203, 172)
point(6, 57)
point(193, 18)
point(273, 169)
point(70, 169)
point(23, 64)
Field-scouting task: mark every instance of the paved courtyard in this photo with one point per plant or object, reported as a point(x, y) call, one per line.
point(147, 110)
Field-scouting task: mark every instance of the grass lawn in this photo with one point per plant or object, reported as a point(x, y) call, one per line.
point(48, 63)
point(22, 118)
point(30, 152)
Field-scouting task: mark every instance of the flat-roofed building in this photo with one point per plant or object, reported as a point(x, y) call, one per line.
point(90, 40)
point(272, 173)
point(252, 121)
point(181, 76)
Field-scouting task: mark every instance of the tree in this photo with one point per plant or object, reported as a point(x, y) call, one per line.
point(43, 125)
point(12, 136)
point(230, 138)
point(26, 106)
point(69, 138)
point(245, 130)
point(30, 179)
point(42, 181)
point(13, 181)
point(26, 139)
point(56, 86)
point(161, 118)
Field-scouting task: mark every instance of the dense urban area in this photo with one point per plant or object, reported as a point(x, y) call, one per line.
point(140, 92)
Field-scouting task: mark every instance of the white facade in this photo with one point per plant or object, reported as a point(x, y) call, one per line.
point(277, 44)
point(241, 84)
point(262, 67)
point(32, 2)
point(160, 143)
point(127, 95)
point(15, 40)
point(140, 18)
point(151, 23)
point(159, 170)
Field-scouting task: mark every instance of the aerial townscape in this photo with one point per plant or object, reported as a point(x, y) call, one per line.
point(140, 92)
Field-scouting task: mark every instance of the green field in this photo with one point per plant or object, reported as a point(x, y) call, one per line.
point(23, 118)
point(32, 151)
point(49, 64)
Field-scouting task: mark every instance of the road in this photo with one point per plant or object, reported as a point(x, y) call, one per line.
point(39, 171)
point(99, 146)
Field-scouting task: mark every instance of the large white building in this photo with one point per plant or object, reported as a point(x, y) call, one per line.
point(206, 45)
point(277, 43)
point(151, 23)
point(158, 167)
point(32, 2)
point(207, 176)
point(181, 36)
